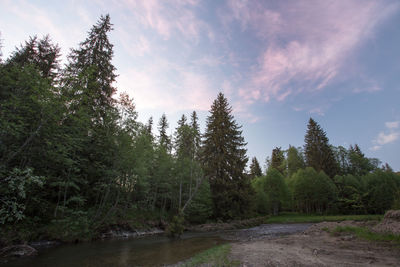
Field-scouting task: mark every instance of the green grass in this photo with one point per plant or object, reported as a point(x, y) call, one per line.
point(304, 218)
point(215, 256)
point(365, 233)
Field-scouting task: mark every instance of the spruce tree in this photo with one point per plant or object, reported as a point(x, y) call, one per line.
point(149, 126)
point(318, 153)
point(359, 164)
point(255, 169)
point(194, 124)
point(277, 160)
point(163, 138)
point(87, 85)
point(90, 73)
point(40, 53)
point(183, 139)
point(224, 159)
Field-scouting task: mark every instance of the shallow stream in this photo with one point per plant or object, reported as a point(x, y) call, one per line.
point(147, 251)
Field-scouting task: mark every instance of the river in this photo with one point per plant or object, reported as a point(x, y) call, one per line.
point(147, 251)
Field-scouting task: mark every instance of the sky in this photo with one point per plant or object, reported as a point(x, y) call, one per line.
point(278, 62)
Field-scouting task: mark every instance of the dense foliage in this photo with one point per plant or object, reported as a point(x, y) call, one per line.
point(74, 158)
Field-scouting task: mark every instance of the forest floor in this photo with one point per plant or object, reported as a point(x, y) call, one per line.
point(320, 245)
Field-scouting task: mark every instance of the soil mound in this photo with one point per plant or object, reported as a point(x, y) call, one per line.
point(390, 223)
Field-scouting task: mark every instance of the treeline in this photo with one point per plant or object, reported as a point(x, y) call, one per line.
point(321, 178)
point(74, 157)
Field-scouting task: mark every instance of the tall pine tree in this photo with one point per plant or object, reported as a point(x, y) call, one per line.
point(224, 158)
point(87, 84)
point(194, 124)
point(277, 160)
point(90, 67)
point(163, 139)
point(41, 53)
point(255, 169)
point(318, 153)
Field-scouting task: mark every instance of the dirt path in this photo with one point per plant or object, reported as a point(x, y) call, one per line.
point(315, 247)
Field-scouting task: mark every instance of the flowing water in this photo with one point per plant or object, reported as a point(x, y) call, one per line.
point(147, 251)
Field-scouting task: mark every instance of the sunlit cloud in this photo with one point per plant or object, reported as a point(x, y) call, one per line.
point(392, 124)
point(167, 18)
point(181, 90)
point(307, 44)
point(388, 137)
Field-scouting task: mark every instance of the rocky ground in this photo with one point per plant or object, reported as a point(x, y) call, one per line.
point(316, 247)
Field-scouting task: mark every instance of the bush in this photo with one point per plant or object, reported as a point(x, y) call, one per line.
point(14, 189)
point(175, 227)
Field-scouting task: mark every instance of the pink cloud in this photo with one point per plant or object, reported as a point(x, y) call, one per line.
point(306, 43)
point(167, 17)
point(252, 14)
point(181, 89)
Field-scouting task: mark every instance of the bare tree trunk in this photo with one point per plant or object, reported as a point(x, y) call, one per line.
point(110, 209)
point(191, 197)
point(58, 201)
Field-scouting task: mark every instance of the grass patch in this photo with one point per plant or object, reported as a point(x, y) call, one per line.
point(365, 233)
point(304, 218)
point(215, 256)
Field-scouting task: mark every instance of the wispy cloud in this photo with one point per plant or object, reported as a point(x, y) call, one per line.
point(387, 138)
point(307, 43)
point(390, 136)
point(169, 17)
point(318, 111)
point(392, 124)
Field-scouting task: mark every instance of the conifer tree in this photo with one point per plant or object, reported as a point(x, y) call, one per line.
point(277, 160)
point(318, 152)
point(163, 139)
point(224, 159)
point(255, 169)
point(149, 126)
point(194, 124)
point(90, 73)
point(359, 164)
point(183, 139)
point(87, 85)
point(40, 53)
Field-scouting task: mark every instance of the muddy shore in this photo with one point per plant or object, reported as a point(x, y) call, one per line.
point(316, 247)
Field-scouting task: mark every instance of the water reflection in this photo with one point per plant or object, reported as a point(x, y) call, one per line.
point(153, 251)
point(149, 251)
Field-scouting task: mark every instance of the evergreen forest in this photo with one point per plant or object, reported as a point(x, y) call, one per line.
point(74, 158)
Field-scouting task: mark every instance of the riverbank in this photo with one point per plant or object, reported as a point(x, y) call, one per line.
point(359, 240)
point(225, 231)
point(293, 217)
point(317, 247)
